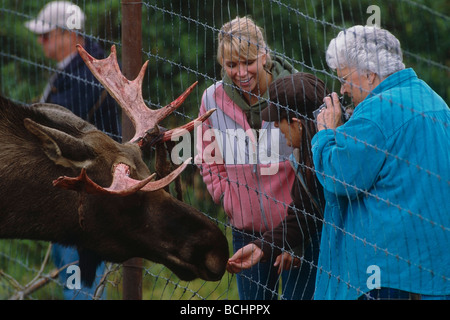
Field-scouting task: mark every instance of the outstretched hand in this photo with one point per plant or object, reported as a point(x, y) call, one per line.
point(286, 261)
point(244, 258)
point(248, 256)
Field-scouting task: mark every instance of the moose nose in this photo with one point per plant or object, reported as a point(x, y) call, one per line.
point(215, 264)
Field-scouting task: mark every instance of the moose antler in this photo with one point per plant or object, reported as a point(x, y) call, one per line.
point(128, 95)
point(122, 184)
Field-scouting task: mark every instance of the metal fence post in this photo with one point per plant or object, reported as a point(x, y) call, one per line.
point(131, 65)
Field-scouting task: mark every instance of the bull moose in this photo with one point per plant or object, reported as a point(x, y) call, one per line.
point(65, 181)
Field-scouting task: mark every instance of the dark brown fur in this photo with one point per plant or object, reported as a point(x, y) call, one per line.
point(151, 225)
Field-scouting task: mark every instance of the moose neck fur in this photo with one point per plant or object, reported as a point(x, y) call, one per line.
point(26, 176)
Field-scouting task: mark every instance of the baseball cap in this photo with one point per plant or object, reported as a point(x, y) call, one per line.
point(62, 14)
point(293, 95)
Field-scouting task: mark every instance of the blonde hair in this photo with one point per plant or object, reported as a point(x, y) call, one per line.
point(242, 38)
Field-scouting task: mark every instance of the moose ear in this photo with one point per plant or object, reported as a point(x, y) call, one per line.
point(60, 147)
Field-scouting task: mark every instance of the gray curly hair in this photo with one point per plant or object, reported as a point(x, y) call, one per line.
point(366, 48)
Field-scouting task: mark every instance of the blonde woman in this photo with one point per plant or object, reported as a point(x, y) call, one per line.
point(244, 160)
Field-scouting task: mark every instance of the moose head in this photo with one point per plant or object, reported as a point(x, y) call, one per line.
point(103, 198)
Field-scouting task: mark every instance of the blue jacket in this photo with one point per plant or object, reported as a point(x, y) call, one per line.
point(386, 175)
point(78, 90)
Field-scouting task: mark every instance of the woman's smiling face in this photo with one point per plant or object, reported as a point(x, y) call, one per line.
point(245, 73)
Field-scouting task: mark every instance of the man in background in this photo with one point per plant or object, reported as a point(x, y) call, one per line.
point(58, 28)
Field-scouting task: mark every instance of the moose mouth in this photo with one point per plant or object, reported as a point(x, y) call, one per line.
point(211, 270)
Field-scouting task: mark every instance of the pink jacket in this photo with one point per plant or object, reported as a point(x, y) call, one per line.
point(253, 180)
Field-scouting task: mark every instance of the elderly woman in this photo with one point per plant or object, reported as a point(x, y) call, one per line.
point(385, 175)
point(233, 149)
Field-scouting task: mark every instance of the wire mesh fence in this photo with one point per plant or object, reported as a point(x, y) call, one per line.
point(180, 41)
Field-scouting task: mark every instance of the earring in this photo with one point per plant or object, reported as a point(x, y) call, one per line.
point(371, 77)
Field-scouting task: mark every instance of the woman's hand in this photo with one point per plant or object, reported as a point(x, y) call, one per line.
point(330, 117)
point(286, 261)
point(244, 258)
